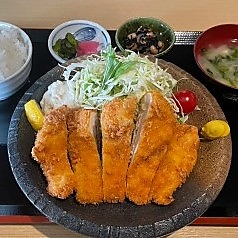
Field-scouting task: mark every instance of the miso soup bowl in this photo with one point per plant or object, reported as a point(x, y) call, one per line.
point(218, 38)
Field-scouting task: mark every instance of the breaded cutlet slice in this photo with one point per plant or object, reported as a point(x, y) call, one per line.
point(117, 124)
point(50, 151)
point(84, 155)
point(154, 129)
point(176, 166)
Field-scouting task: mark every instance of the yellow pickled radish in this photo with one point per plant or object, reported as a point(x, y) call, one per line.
point(34, 114)
point(215, 129)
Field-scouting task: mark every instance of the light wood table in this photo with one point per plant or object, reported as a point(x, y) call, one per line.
point(181, 15)
point(40, 227)
point(56, 231)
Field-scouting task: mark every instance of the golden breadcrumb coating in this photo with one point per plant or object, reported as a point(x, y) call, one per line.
point(175, 167)
point(84, 156)
point(154, 133)
point(50, 151)
point(117, 124)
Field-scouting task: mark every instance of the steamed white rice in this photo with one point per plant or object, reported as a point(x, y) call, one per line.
point(13, 52)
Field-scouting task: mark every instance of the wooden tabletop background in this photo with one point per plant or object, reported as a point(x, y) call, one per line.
point(56, 231)
point(181, 15)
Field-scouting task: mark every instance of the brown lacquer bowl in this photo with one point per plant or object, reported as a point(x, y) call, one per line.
point(126, 219)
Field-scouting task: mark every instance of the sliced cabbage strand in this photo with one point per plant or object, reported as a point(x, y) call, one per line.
point(100, 78)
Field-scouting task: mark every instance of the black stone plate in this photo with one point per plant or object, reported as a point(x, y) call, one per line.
point(126, 219)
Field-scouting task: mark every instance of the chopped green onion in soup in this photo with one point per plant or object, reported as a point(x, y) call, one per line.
point(221, 63)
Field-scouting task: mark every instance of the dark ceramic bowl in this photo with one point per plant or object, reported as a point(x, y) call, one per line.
point(125, 219)
point(163, 31)
point(217, 37)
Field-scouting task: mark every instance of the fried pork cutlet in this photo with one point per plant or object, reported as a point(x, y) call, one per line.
point(50, 151)
point(175, 167)
point(84, 155)
point(153, 132)
point(117, 124)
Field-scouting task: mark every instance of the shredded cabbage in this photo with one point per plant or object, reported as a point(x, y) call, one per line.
point(100, 78)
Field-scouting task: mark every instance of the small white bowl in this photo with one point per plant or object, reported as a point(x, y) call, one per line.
point(16, 80)
point(72, 26)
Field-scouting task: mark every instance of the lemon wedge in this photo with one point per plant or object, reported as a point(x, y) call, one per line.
point(34, 114)
point(215, 129)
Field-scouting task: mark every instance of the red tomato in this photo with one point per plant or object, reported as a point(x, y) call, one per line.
point(187, 100)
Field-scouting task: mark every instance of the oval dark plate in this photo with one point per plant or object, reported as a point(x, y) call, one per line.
point(126, 219)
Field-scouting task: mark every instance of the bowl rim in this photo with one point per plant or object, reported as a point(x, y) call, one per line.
point(29, 45)
point(64, 24)
point(153, 19)
point(195, 54)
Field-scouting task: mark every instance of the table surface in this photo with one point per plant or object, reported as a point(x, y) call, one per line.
point(225, 205)
point(181, 15)
point(56, 231)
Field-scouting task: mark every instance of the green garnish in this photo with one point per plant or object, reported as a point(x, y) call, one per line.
point(222, 64)
point(66, 48)
point(101, 78)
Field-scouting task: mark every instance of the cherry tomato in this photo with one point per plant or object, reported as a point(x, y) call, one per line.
point(187, 100)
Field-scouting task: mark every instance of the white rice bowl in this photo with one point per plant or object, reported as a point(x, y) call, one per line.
point(15, 59)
